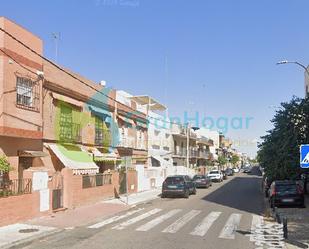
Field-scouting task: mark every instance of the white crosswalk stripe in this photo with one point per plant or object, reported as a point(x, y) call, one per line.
point(136, 219)
point(228, 231)
point(257, 222)
point(174, 226)
point(206, 223)
point(115, 218)
point(178, 224)
point(158, 220)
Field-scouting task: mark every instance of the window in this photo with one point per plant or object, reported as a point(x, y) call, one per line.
point(69, 131)
point(102, 133)
point(27, 93)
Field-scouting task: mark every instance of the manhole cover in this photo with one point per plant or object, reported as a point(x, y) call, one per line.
point(28, 230)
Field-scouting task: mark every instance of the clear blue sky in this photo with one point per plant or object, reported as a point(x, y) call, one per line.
point(216, 57)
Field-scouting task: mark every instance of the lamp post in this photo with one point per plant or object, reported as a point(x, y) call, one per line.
point(299, 64)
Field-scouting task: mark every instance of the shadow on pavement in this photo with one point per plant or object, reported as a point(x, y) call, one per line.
point(242, 193)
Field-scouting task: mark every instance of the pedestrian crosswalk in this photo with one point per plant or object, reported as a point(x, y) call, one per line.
point(195, 222)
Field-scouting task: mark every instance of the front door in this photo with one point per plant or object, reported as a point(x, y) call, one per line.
point(57, 191)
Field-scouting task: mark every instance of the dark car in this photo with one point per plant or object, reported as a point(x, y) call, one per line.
point(229, 172)
point(247, 169)
point(202, 181)
point(286, 193)
point(180, 185)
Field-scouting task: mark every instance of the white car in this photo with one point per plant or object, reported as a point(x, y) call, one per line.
point(236, 170)
point(215, 175)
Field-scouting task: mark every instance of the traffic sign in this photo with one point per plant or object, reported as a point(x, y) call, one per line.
point(304, 156)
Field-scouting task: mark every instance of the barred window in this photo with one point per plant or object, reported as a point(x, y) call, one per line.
point(28, 93)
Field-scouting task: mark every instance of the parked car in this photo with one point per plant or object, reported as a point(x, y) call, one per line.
point(179, 185)
point(229, 172)
point(247, 169)
point(266, 185)
point(286, 192)
point(215, 175)
point(236, 170)
point(202, 181)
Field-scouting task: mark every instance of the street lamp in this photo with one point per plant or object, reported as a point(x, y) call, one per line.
point(293, 62)
point(299, 64)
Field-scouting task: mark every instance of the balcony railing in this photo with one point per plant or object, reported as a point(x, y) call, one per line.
point(204, 154)
point(91, 181)
point(102, 138)
point(15, 187)
point(127, 142)
point(70, 132)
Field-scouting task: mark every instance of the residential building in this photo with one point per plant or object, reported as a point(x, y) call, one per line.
point(181, 136)
point(133, 130)
point(60, 132)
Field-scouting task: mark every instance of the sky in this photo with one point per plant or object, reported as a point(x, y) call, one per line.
point(216, 58)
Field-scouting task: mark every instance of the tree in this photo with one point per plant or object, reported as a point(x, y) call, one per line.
point(279, 151)
point(5, 166)
point(235, 160)
point(222, 160)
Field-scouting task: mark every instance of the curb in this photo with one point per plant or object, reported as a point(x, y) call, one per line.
point(30, 239)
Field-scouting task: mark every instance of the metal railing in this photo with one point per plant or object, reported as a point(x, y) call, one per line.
point(15, 187)
point(102, 137)
point(69, 132)
point(91, 181)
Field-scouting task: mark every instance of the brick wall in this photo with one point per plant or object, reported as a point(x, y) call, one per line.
point(17, 208)
point(75, 195)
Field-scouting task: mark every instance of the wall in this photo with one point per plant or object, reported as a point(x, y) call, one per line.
point(74, 195)
point(17, 208)
point(16, 121)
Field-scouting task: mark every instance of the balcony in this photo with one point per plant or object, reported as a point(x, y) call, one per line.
point(140, 144)
point(127, 142)
point(69, 132)
point(204, 154)
point(102, 138)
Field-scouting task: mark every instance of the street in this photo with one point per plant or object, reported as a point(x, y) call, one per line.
point(218, 217)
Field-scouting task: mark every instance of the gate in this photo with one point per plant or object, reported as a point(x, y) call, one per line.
point(57, 191)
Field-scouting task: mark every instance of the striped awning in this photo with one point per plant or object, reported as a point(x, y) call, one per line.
point(74, 158)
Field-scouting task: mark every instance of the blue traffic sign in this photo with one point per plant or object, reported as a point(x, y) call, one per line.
point(304, 156)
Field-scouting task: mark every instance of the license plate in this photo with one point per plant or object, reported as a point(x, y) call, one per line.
point(287, 200)
point(172, 186)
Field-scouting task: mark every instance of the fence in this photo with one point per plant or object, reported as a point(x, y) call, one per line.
point(91, 181)
point(15, 187)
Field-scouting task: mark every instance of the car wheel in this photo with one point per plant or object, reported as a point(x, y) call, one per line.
point(163, 196)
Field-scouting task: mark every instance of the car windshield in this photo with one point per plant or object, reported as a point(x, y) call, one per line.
point(174, 180)
point(198, 177)
point(214, 172)
point(291, 188)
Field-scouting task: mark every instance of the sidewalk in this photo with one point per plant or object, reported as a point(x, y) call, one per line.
point(137, 198)
point(40, 227)
point(298, 225)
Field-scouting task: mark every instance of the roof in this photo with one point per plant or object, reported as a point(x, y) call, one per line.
point(154, 105)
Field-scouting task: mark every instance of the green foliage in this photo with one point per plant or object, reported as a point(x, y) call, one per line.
point(279, 151)
point(222, 160)
point(4, 165)
point(234, 159)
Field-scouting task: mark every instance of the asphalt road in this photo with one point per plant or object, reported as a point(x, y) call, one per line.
point(215, 218)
